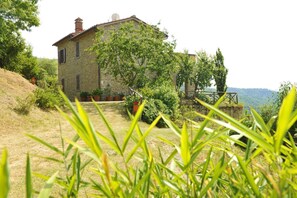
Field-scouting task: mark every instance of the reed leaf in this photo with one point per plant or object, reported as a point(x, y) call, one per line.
point(284, 119)
point(53, 148)
point(184, 148)
point(248, 176)
point(132, 126)
point(29, 186)
point(110, 130)
point(4, 175)
point(47, 188)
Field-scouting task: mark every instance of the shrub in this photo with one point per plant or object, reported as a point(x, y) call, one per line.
point(129, 100)
point(25, 105)
point(152, 109)
point(97, 92)
point(48, 98)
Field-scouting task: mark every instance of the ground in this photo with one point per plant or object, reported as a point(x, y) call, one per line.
point(47, 125)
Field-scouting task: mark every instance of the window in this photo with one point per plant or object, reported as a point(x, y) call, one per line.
point(62, 56)
point(77, 49)
point(63, 84)
point(77, 82)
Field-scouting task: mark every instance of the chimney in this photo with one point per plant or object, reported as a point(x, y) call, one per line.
point(78, 25)
point(115, 17)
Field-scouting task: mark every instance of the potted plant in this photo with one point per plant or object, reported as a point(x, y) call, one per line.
point(84, 96)
point(107, 92)
point(116, 96)
point(122, 95)
point(96, 94)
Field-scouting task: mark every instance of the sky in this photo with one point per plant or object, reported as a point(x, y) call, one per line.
point(258, 38)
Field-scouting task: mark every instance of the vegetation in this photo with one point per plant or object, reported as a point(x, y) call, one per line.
point(15, 55)
point(136, 55)
point(184, 74)
point(142, 173)
point(220, 72)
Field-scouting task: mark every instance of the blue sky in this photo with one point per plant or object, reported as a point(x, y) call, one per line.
point(258, 38)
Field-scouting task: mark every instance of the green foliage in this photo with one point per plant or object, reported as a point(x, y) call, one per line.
point(220, 72)
point(186, 66)
point(84, 94)
point(129, 100)
point(4, 175)
point(48, 98)
point(202, 72)
point(152, 110)
point(266, 168)
point(15, 16)
point(135, 54)
point(24, 106)
point(48, 67)
point(97, 92)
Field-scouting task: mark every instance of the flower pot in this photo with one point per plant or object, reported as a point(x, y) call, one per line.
point(116, 98)
point(109, 98)
point(135, 107)
point(83, 98)
point(96, 98)
point(89, 98)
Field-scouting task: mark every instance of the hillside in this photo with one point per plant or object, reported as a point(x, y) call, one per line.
point(253, 97)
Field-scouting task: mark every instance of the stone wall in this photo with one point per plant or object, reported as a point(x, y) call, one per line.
point(90, 75)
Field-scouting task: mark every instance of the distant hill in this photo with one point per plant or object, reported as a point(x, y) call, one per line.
point(253, 97)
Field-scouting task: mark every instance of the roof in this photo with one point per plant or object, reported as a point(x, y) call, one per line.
point(73, 36)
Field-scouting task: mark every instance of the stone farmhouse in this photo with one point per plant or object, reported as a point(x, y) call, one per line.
point(77, 67)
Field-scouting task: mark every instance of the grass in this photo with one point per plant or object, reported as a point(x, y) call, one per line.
point(46, 125)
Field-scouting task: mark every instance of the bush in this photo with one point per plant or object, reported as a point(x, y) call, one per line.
point(25, 105)
point(167, 95)
point(152, 109)
point(48, 98)
point(162, 99)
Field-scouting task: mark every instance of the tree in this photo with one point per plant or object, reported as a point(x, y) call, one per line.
point(186, 65)
point(220, 73)
point(15, 16)
point(202, 71)
point(136, 54)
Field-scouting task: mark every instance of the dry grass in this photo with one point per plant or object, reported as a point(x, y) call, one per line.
point(45, 125)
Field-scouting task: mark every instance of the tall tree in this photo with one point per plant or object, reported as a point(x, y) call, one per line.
point(186, 65)
point(136, 54)
point(15, 16)
point(220, 73)
point(202, 71)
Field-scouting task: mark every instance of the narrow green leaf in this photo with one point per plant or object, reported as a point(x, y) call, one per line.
point(53, 148)
point(284, 119)
point(29, 186)
point(185, 150)
point(204, 170)
point(71, 185)
point(107, 124)
point(201, 130)
point(132, 126)
point(260, 122)
point(91, 140)
point(217, 171)
point(4, 175)
point(248, 176)
point(236, 126)
point(47, 188)
point(140, 141)
point(109, 142)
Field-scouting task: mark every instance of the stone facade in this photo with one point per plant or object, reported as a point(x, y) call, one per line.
point(80, 72)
